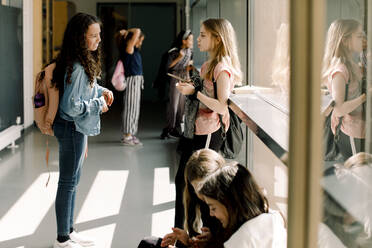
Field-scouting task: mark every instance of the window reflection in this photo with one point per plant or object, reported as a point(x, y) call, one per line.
point(280, 67)
point(347, 180)
point(343, 78)
point(348, 203)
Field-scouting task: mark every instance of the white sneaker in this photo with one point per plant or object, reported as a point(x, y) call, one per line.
point(81, 239)
point(68, 244)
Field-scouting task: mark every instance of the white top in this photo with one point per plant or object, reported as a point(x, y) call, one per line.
point(263, 231)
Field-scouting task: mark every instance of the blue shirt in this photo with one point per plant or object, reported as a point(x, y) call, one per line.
point(132, 63)
point(82, 103)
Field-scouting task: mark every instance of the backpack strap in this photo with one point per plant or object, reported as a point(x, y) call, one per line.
point(338, 127)
point(220, 116)
point(47, 160)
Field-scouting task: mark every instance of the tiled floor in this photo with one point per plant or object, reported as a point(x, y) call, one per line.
point(124, 194)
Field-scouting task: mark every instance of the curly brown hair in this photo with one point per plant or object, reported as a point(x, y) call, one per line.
point(74, 49)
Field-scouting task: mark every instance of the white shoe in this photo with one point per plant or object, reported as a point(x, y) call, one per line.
point(68, 244)
point(81, 239)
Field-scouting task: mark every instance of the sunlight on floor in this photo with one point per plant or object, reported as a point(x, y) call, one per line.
point(32, 206)
point(162, 222)
point(102, 235)
point(105, 196)
point(104, 199)
point(164, 191)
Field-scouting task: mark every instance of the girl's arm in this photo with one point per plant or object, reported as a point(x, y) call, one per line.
point(74, 105)
point(132, 42)
point(177, 59)
point(223, 92)
point(108, 95)
point(100, 90)
point(338, 94)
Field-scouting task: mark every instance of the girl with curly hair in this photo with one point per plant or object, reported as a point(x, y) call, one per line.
point(82, 101)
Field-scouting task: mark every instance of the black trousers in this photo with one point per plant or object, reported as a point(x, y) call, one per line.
point(344, 145)
point(150, 242)
point(155, 242)
point(197, 143)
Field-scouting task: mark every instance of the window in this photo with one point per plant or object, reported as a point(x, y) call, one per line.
point(347, 180)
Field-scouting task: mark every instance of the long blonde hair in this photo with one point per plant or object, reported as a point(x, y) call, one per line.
point(225, 51)
point(201, 164)
point(281, 61)
point(337, 51)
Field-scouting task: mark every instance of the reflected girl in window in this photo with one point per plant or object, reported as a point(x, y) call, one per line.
point(340, 72)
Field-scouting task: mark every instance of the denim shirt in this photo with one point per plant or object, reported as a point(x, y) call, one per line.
point(82, 103)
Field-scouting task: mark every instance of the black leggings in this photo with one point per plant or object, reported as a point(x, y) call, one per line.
point(344, 145)
point(197, 143)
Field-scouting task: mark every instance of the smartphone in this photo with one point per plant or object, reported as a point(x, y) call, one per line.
point(178, 78)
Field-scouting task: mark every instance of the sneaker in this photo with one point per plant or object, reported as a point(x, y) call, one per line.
point(68, 244)
point(81, 239)
point(128, 141)
point(136, 141)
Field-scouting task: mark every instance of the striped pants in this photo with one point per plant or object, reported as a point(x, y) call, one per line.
point(132, 102)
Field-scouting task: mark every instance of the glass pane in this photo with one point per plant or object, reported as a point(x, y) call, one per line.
point(11, 60)
point(266, 97)
point(268, 67)
point(198, 14)
point(347, 179)
point(270, 56)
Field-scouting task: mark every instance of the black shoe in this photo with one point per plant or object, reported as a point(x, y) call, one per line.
point(164, 134)
point(174, 133)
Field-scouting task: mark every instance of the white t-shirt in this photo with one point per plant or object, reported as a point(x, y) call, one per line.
point(263, 231)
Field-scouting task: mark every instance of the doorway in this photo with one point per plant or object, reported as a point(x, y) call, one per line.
point(158, 22)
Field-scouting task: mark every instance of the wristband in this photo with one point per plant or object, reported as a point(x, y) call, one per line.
point(195, 94)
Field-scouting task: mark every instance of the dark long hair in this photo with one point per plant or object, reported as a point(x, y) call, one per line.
point(74, 49)
point(183, 35)
point(235, 188)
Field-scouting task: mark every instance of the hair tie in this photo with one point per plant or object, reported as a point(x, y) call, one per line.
point(186, 34)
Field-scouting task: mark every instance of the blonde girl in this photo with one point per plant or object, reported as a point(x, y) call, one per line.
point(200, 228)
point(340, 68)
point(217, 38)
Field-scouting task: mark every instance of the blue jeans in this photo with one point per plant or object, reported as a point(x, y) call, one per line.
point(72, 145)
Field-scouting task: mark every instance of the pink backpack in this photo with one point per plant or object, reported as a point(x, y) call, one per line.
point(118, 79)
